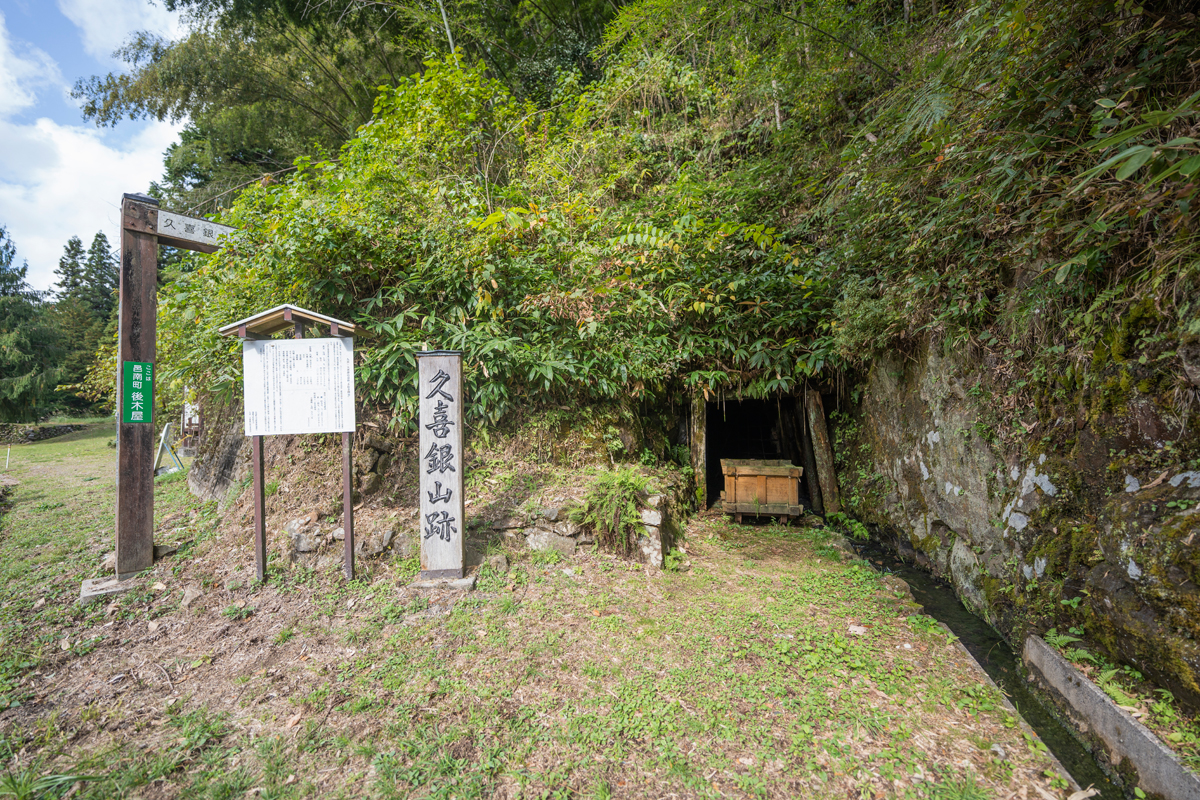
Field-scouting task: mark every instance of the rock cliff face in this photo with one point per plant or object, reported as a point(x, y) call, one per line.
point(223, 456)
point(1085, 515)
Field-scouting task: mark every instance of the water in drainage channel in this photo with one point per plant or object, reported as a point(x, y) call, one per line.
point(999, 661)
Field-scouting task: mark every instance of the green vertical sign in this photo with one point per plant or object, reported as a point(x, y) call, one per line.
point(137, 397)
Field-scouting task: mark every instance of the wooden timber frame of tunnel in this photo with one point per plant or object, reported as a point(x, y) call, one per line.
point(809, 431)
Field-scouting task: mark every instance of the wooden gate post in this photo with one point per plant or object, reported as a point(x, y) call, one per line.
point(137, 316)
point(144, 226)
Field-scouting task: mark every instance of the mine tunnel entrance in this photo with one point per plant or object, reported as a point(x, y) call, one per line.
point(758, 429)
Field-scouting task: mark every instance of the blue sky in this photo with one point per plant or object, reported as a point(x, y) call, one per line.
point(59, 174)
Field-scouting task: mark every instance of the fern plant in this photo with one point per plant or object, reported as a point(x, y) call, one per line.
point(610, 509)
point(1059, 640)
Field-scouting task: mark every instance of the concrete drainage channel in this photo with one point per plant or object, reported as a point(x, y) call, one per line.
point(1120, 739)
point(1112, 734)
point(1002, 665)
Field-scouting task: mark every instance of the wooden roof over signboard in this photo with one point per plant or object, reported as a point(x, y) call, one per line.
point(281, 318)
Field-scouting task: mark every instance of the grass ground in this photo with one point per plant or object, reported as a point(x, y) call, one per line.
point(769, 668)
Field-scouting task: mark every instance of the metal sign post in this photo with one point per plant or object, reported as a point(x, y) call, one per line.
point(296, 386)
point(439, 383)
point(144, 226)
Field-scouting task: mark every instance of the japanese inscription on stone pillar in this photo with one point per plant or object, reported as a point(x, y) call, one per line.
point(439, 383)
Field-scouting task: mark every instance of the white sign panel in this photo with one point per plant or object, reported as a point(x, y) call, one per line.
point(191, 229)
point(191, 415)
point(298, 386)
point(439, 382)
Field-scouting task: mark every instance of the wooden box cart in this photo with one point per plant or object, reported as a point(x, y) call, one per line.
point(761, 488)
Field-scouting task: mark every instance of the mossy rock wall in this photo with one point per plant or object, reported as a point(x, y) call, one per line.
point(1038, 516)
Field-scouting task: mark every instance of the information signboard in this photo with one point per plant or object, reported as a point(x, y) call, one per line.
point(298, 386)
point(440, 421)
point(137, 392)
point(191, 417)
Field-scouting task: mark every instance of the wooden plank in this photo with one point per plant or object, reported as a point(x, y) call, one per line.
point(742, 466)
point(775, 472)
point(760, 488)
point(779, 491)
point(762, 509)
point(348, 504)
point(258, 498)
point(755, 462)
point(823, 453)
point(137, 321)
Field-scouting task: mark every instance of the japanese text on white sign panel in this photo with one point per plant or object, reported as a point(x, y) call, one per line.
point(298, 386)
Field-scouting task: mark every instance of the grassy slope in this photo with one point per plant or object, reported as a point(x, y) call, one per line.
point(739, 677)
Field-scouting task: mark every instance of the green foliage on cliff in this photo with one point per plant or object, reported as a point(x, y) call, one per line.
point(750, 199)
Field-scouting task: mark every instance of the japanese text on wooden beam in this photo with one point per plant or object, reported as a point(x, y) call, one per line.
point(439, 383)
point(192, 233)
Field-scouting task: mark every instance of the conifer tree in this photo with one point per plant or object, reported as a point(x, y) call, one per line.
point(70, 270)
point(28, 346)
point(100, 276)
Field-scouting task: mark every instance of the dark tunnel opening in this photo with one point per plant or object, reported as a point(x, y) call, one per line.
point(756, 429)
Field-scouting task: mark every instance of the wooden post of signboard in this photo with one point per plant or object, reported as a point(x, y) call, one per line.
point(439, 388)
point(260, 502)
point(293, 320)
point(137, 316)
point(348, 504)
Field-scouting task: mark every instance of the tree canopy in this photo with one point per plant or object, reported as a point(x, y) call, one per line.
point(262, 83)
point(644, 200)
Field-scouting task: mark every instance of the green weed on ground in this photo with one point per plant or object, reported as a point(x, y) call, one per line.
point(768, 666)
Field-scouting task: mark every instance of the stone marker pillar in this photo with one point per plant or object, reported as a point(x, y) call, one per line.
point(439, 384)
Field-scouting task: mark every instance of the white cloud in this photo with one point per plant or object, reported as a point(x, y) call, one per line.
point(104, 25)
point(21, 75)
point(59, 181)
